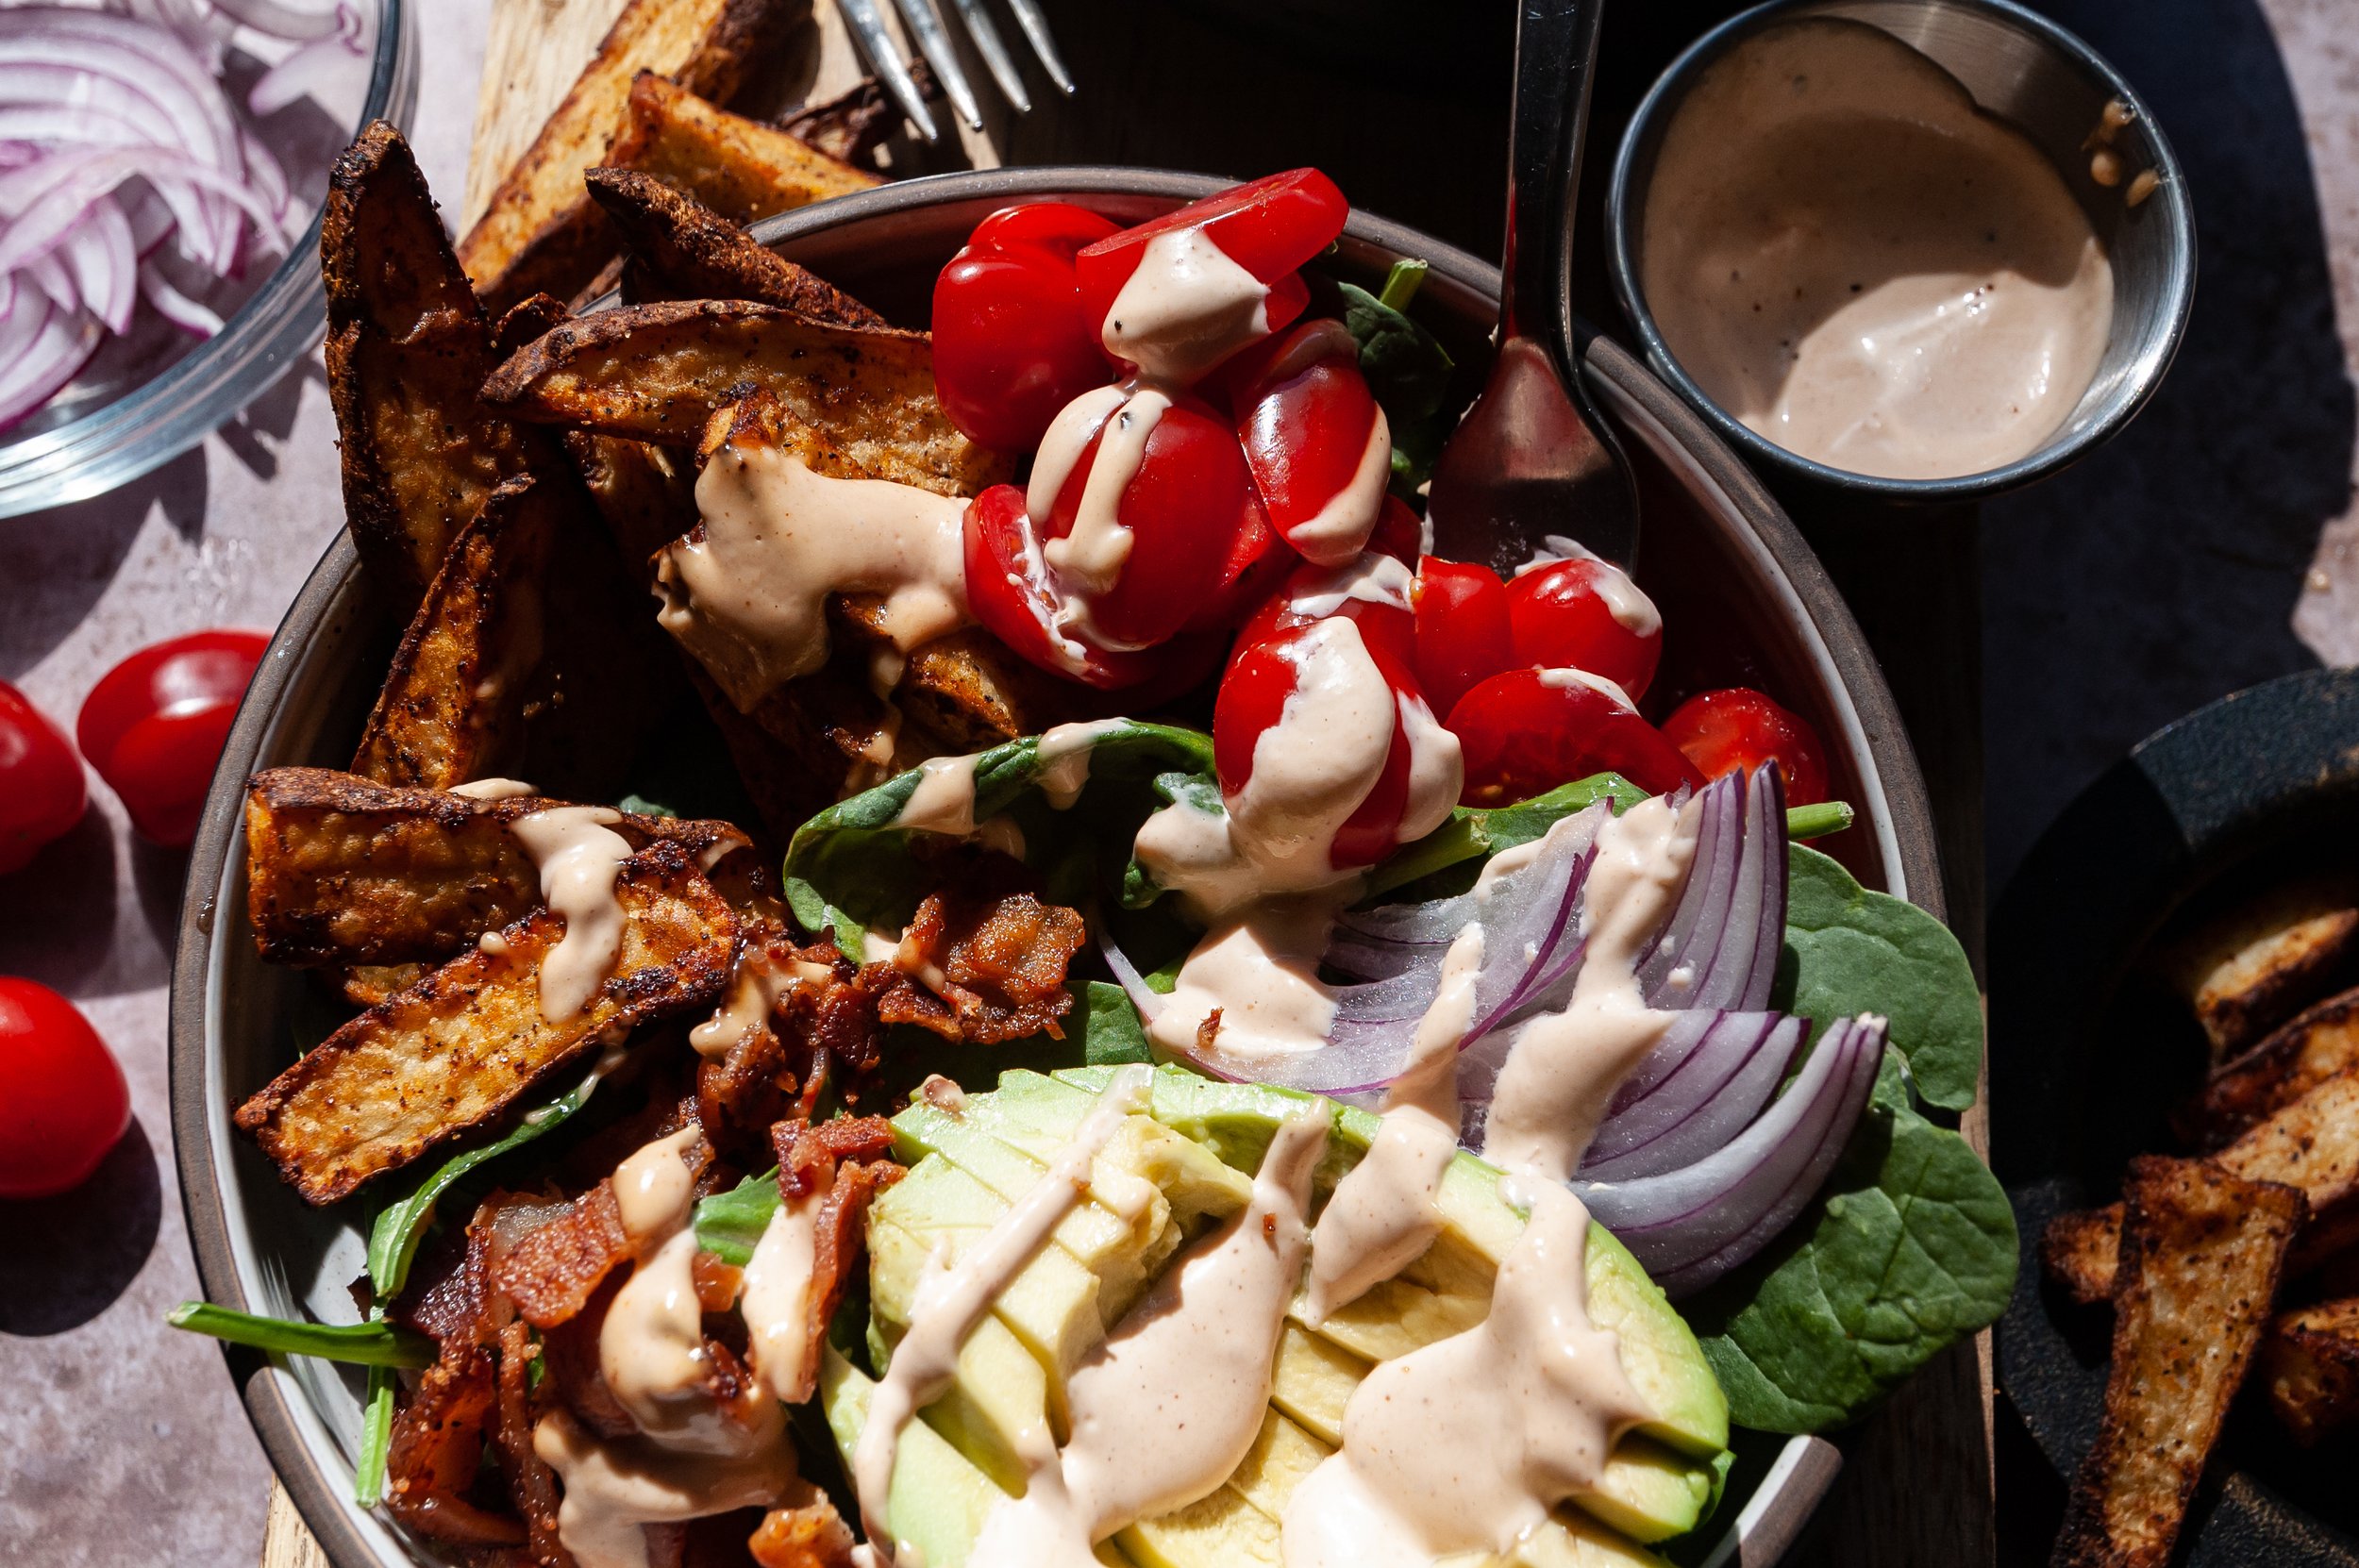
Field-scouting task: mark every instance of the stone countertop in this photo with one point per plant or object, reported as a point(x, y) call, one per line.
point(2161, 572)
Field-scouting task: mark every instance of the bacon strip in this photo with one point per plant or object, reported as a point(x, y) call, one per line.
point(996, 963)
point(806, 1535)
point(845, 1159)
point(529, 1480)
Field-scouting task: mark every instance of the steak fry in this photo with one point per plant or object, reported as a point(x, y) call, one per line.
point(458, 1048)
point(740, 168)
point(660, 373)
point(2309, 1363)
point(540, 233)
point(2282, 1068)
point(691, 252)
point(340, 870)
point(408, 349)
point(2201, 1253)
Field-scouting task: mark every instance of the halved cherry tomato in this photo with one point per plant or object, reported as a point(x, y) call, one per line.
point(154, 726)
point(1373, 591)
point(1462, 628)
point(1262, 675)
point(42, 793)
point(1259, 560)
point(1739, 728)
point(1526, 731)
point(1316, 441)
point(1184, 508)
point(63, 1104)
point(1013, 341)
point(1585, 613)
point(1400, 533)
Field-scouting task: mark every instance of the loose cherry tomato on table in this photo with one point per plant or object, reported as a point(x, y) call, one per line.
point(1583, 613)
point(1013, 341)
point(62, 1100)
point(1739, 728)
point(41, 790)
point(154, 726)
point(1264, 673)
point(1315, 440)
point(1462, 628)
point(1526, 731)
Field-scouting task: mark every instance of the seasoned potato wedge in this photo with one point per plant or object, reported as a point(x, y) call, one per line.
point(459, 1047)
point(2309, 1366)
point(2201, 1253)
point(340, 869)
point(2302, 1054)
point(740, 168)
point(2270, 963)
point(660, 372)
point(2082, 1251)
point(454, 697)
point(408, 349)
point(541, 233)
point(691, 252)
point(646, 501)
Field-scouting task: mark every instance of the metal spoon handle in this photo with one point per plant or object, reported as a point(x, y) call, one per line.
point(1556, 57)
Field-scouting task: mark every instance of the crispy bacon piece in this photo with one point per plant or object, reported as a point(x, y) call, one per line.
point(992, 967)
point(845, 1159)
point(438, 1449)
point(530, 1479)
point(552, 1272)
point(804, 1534)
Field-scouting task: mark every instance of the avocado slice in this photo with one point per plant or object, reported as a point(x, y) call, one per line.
point(1219, 1531)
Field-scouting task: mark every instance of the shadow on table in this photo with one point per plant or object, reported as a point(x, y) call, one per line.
point(68, 1258)
point(73, 921)
point(56, 564)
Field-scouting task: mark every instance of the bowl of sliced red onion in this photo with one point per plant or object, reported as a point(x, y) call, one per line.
point(162, 167)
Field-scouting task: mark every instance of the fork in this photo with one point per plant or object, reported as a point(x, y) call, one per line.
point(933, 41)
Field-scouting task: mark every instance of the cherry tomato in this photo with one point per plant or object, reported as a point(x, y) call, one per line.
point(1012, 343)
point(41, 789)
point(1526, 731)
point(1373, 591)
point(1316, 441)
point(1262, 675)
point(1258, 562)
point(1739, 728)
point(1585, 613)
point(154, 726)
point(62, 1100)
point(1462, 628)
point(1400, 533)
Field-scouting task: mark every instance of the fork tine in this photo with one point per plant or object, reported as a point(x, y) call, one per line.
point(995, 52)
point(1035, 26)
point(934, 43)
point(868, 30)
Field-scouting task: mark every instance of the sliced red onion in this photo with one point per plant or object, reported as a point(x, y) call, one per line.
point(295, 23)
point(320, 69)
point(1691, 1225)
point(99, 254)
point(1720, 949)
point(268, 176)
point(1707, 1093)
point(42, 346)
point(175, 307)
point(1143, 997)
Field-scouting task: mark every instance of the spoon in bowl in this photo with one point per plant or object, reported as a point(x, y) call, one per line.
point(1534, 458)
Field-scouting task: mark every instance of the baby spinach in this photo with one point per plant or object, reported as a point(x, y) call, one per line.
point(1406, 367)
point(729, 1224)
point(1850, 951)
point(373, 1344)
point(1112, 1031)
point(1909, 1247)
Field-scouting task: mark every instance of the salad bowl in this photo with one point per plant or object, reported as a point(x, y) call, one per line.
point(1722, 558)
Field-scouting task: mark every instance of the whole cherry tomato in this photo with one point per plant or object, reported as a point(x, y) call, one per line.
point(1527, 731)
point(1373, 591)
point(1583, 613)
point(154, 726)
point(62, 1100)
point(1316, 441)
point(1400, 533)
point(1258, 562)
point(1265, 673)
point(1012, 343)
point(1739, 728)
point(41, 789)
point(1462, 628)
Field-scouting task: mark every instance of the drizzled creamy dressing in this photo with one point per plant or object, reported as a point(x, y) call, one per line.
point(692, 1457)
point(1568, 677)
point(1259, 970)
point(1859, 264)
point(1336, 532)
point(757, 981)
point(943, 800)
point(578, 855)
point(1187, 308)
point(1089, 558)
point(949, 1302)
point(1369, 577)
point(494, 789)
point(774, 1299)
point(749, 598)
point(1623, 599)
point(1063, 757)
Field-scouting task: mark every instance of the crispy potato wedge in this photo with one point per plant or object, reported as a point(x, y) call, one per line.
point(2202, 1255)
point(364, 985)
point(2309, 1366)
point(646, 501)
point(660, 372)
point(453, 697)
point(854, 123)
point(408, 349)
point(458, 1048)
point(2300, 1054)
point(2082, 1251)
point(541, 233)
point(2247, 977)
point(691, 252)
point(342, 870)
point(740, 168)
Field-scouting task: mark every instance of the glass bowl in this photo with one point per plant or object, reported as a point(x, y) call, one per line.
point(150, 395)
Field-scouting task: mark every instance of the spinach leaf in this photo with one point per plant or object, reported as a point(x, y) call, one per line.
point(372, 1344)
point(393, 1239)
point(1406, 367)
point(1910, 1248)
point(377, 1437)
point(1849, 951)
point(729, 1224)
point(1112, 1031)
